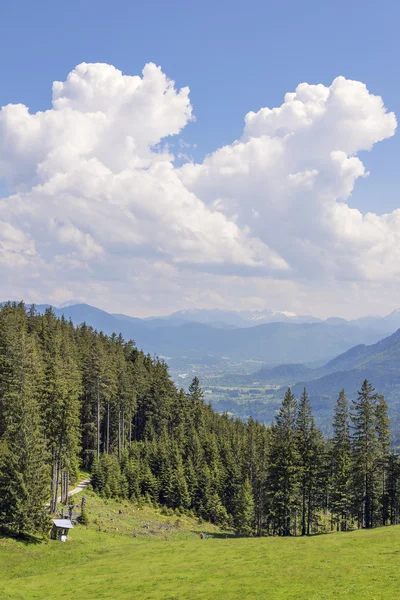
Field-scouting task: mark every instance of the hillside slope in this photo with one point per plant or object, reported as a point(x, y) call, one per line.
point(97, 565)
point(384, 354)
point(380, 363)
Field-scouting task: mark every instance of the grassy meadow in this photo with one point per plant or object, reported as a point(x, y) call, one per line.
point(130, 553)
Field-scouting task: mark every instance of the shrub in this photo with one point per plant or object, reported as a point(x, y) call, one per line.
point(84, 517)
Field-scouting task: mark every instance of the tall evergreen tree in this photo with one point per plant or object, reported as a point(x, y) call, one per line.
point(282, 484)
point(341, 462)
point(244, 509)
point(197, 397)
point(60, 398)
point(393, 488)
point(383, 436)
point(23, 467)
point(365, 447)
point(307, 464)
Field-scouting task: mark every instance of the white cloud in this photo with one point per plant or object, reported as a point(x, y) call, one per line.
point(100, 212)
point(287, 178)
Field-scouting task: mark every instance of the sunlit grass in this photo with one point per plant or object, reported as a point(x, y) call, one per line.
point(167, 560)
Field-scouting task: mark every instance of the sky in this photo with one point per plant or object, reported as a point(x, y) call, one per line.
point(201, 155)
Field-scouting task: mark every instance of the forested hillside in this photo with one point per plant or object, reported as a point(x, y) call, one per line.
point(71, 396)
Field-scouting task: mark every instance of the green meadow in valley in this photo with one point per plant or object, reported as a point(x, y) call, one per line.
point(362, 564)
point(167, 560)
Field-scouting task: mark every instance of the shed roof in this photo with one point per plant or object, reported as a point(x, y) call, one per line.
point(63, 523)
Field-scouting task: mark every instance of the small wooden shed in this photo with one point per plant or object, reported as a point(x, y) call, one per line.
point(60, 529)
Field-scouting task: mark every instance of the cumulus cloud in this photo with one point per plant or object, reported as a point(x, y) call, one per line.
point(288, 177)
point(98, 209)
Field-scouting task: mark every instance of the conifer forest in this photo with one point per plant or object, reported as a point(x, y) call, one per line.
point(72, 398)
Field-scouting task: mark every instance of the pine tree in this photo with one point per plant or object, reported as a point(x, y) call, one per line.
point(197, 397)
point(215, 511)
point(176, 491)
point(306, 466)
point(195, 391)
point(282, 484)
point(341, 462)
point(244, 510)
point(60, 398)
point(365, 447)
point(383, 435)
point(260, 477)
point(23, 467)
point(393, 488)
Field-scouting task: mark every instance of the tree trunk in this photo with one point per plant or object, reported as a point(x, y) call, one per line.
point(98, 421)
point(108, 427)
point(56, 487)
point(119, 434)
point(53, 503)
point(309, 512)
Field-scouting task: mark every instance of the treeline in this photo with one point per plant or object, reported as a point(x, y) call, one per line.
point(71, 397)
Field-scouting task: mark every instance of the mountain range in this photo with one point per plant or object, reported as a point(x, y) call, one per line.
point(225, 318)
point(217, 334)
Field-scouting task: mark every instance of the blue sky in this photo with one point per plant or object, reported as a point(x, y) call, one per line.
point(258, 225)
point(235, 57)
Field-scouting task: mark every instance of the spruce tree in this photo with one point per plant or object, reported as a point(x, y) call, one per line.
point(176, 489)
point(60, 398)
point(341, 463)
point(365, 447)
point(197, 397)
point(195, 391)
point(306, 465)
point(244, 510)
point(24, 473)
point(383, 436)
point(393, 488)
point(282, 485)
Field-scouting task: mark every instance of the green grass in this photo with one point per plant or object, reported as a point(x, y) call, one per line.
point(167, 561)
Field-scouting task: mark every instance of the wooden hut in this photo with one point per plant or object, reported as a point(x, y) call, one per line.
point(60, 529)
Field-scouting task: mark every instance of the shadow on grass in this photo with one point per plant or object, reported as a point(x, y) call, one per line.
point(23, 538)
point(232, 535)
point(219, 535)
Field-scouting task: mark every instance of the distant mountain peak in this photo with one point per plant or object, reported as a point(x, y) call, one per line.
point(285, 312)
point(68, 303)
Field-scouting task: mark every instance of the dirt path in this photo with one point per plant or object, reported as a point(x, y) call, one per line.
point(81, 486)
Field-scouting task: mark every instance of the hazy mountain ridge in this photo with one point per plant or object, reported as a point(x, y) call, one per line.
point(215, 317)
point(242, 318)
point(273, 343)
point(379, 363)
point(222, 318)
point(375, 360)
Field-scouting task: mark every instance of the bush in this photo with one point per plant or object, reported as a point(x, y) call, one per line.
point(84, 517)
